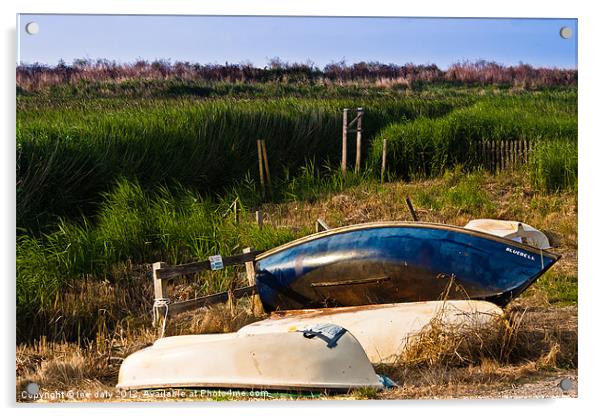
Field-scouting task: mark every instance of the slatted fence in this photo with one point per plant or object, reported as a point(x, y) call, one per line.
point(497, 155)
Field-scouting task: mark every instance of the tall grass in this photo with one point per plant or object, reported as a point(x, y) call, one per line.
point(132, 226)
point(462, 192)
point(427, 147)
point(553, 166)
point(69, 154)
point(312, 182)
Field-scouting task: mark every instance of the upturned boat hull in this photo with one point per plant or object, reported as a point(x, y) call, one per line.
point(271, 361)
point(394, 262)
point(385, 331)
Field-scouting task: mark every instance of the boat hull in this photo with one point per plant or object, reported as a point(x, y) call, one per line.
point(384, 331)
point(382, 263)
point(272, 361)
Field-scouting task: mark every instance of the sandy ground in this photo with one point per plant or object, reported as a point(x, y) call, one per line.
point(536, 387)
point(546, 387)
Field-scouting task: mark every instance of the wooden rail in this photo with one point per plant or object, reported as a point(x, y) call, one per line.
point(169, 272)
point(162, 273)
point(222, 297)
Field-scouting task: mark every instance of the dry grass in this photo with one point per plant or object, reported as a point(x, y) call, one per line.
point(522, 346)
point(94, 366)
point(519, 337)
point(217, 319)
point(511, 196)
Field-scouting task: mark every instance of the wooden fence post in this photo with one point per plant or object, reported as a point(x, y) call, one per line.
point(515, 158)
point(344, 149)
point(486, 155)
point(521, 145)
point(497, 155)
point(358, 140)
point(483, 155)
point(266, 166)
point(256, 305)
point(383, 165)
point(260, 159)
point(411, 209)
point(259, 218)
point(249, 268)
point(160, 286)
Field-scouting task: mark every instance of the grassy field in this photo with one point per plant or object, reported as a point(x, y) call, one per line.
point(427, 147)
point(114, 315)
point(70, 152)
point(110, 182)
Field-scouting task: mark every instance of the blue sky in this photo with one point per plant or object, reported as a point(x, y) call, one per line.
point(215, 39)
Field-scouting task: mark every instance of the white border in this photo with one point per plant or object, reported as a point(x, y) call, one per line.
point(589, 160)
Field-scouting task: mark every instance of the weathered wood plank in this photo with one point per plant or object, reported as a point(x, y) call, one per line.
point(160, 287)
point(221, 297)
point(514, 153)
point(256, 305)
point(411, 209)
point(266, 166)
point(259, 218)
point(523, 157)
point(159, 284)
point(260, 159)
point(249, 267)
point(487, 157)
point(352, 123)
point(170, 272)
point(321, 225)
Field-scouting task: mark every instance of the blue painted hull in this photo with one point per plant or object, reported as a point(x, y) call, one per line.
point(396, 262)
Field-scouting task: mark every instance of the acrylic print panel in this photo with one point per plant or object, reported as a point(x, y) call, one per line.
point(173, 173)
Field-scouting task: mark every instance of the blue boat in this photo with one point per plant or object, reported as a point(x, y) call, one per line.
point(392, 262)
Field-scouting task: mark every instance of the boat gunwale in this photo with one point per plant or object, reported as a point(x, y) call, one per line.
point(333, 387)
point(411, 224)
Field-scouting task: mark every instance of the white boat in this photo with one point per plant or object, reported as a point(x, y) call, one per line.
point(512, 230)
point(382, 330)
point(322, 357)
